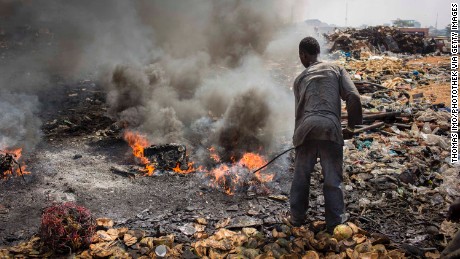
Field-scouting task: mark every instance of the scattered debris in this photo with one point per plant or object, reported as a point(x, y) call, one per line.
point(276, 241)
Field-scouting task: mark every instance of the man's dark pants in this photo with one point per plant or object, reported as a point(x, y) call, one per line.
point(331, 159)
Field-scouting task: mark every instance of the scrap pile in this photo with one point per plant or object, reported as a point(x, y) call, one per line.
point(394, 72)
point(401, 168)
point(280, 241)
point(378, 39)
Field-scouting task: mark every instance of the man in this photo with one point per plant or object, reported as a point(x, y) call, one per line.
point(318, 132)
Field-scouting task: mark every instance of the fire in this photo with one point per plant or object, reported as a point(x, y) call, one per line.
point(230, 177)
point(190, 168)
point(252, 161)
point(138, 143)
point(214, 155)
point(224, 179)
point(10, 160)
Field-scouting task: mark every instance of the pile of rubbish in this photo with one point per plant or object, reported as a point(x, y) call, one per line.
point(395, 73)
point(278, 241)
point(401, 167)
point(379, 39)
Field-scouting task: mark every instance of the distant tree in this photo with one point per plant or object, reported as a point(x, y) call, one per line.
point(403, 23)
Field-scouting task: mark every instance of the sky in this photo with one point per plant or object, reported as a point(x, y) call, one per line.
point(378, 12)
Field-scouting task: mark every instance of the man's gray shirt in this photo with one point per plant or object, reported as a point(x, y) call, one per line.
point(317, 92)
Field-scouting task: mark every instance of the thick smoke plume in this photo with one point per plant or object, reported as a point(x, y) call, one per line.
point(18, 125)
point(192, 72)
point(206, 83)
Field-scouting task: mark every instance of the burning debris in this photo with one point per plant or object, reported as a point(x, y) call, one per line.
point(8, 163)
point(238, 176)
point(168, 157)
point(230, 177)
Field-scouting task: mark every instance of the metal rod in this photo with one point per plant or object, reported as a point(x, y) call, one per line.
point(285, 151)
point(373, 126)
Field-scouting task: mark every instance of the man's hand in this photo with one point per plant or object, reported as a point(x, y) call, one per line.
point(347, 133)
point(454, 211)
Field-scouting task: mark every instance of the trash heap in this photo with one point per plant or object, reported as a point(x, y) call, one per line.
point(378, 39)
point(395, 72)
point(401, 169)
point(279, 241)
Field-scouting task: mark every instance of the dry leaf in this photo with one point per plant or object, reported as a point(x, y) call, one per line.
point(200, 235)
point(200, 248)
point(119, 253)
point(84, 255)
point(277, 234)
point(302, 232)
point(201, 221)
point(395, 254)
point(359, 238)
point(148, 242)
point(223, 233)
point(380, 249)
point(223, 223)
point(310, 255)
point(101, 249)
point(249, 231)
point(353, 227)
point(176, 251)
point(164, 240)
point(448, 228)
point(4, 253)
point(239, 240)
point(114, 233)
point(350, 253)
point(104, 222)
point(104, 236)
point(213, 254)
point(129, 239)
point(224, 244)
point(199, 227)
point(432, 255)
point(122, 231)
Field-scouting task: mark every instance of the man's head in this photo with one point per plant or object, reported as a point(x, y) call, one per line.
point(308, 51)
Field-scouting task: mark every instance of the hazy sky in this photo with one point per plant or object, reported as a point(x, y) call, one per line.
point(377, 12)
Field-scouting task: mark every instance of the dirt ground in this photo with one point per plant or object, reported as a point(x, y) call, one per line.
point(438, 91)
point(73, 163)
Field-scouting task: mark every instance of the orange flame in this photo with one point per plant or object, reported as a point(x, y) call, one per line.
point(138, 143)
point(220, 173)
point(228, 178)
point(252, 161)
point(214, 155)
point(16, 153)
point(190, 168)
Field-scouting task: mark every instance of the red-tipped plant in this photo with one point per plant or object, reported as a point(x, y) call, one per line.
point(67, 226)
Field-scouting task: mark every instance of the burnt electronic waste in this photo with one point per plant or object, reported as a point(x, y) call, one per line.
point(168, 156)
point(7, 163)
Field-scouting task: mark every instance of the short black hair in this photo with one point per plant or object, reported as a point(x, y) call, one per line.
point(309, 45)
